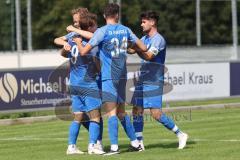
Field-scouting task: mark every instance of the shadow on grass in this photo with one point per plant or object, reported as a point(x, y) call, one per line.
point(171, 145)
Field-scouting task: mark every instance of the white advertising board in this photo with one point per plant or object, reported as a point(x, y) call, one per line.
point(196, 81)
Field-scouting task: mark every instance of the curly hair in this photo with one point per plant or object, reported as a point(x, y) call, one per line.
point(81, 11)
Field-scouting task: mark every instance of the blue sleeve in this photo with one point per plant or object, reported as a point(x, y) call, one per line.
point(71, 35)
point(84, 41)
point(94, 51)
point(132, 37)
point(159, 43)
point(156, 45)
point(97, 38)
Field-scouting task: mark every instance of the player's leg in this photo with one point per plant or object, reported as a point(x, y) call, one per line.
point(85, 121)
point(76, 123)
point(99, 144)
point(137, 112)
point(124, 117)
point(153, 101)
point(111, 110)
point(138, 123)
point(94, 131)
point(128, 128)
point(109, 99)
point(92, 102)
point(74, 127)
point(162, 118)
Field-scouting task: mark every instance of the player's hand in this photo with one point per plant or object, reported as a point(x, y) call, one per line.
point(77, 40)
point(70, 28)
point(67, 47)
point(131, 51)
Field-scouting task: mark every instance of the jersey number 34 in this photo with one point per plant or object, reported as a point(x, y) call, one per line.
point(120, 47)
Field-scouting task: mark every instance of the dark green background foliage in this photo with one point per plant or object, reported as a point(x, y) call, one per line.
point(177, 20)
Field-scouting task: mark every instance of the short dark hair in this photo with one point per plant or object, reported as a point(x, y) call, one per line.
point(150, 15)
point(111, 10)
point(88, 21)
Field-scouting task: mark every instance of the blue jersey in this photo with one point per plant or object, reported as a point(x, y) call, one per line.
point(112, 41)
point(71, 35)
point(149, 88)
point(157, 46)
point(83, 69)
point(152, 71)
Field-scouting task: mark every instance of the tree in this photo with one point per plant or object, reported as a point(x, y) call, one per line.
point(176, 24)
point(216, 22)
point(5, 25)
point(52, 21)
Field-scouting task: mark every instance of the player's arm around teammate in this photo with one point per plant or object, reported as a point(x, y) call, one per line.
point(112, 41)
point(77, 14)
point(77, 116)
point(78, 104)
point(152, 100)
point(83, 33)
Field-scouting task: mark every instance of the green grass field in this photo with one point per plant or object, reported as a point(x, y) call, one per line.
point(21, 114)
point(214, 135)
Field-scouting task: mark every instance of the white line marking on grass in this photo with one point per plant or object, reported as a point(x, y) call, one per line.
point(124, 139)
point(33, 139)
point(207, 140)
point(194, 139)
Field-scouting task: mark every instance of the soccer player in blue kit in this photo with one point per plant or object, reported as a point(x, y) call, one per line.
point(149, 87)
point(84, 90)
point(112, 40)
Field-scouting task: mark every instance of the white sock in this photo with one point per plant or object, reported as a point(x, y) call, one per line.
point(176, 130)
point(71, 146)
point(135, 143)
point(138, 134)
point(90, 146)
point(99, 142)
point(114, 147)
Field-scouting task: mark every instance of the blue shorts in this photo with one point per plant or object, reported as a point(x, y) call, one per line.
point(84, 104)
point(85, 99)
point(147, 96)
point(149, 88)
point(114, 91)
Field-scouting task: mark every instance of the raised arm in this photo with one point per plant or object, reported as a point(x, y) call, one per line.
point(156, 47)
point(82, 50)
point(60, 41)
point(144, 55)
point(141, 46)
point(94, 41)
point(136, 41)
point(85, 34)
